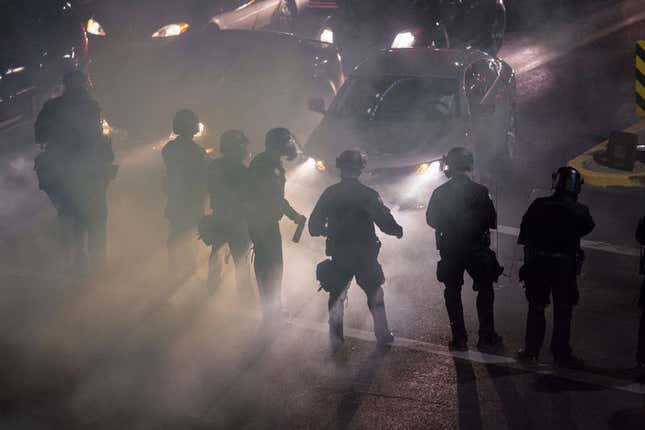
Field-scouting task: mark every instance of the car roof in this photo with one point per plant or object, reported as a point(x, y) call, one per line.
point(444, 63)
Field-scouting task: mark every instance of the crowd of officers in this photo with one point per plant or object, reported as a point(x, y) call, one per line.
point(247, 204)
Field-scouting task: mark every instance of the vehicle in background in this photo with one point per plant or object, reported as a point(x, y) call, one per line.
point(40, 40)
point(406, 108)
point(360, 25)
point(141, 24)
point(251, 80)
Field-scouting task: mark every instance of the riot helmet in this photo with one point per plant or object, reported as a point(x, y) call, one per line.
point(234, 145)
point(567, 180)
point(76, 81)
point(351, 163)
point(281, 141)
point(458, 159)
point(185, 123)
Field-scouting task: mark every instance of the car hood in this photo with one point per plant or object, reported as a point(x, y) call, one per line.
point(387, 144)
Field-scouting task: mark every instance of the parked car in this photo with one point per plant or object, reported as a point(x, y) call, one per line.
point(40, 40)
point(360, 26)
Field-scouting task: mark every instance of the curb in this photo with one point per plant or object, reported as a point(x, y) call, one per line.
point(607, 177)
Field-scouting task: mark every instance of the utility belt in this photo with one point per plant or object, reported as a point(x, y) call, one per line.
point(447, 242)
point(535, 256)
point(340, 249)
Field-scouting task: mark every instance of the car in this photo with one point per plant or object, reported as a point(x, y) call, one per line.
point(406, 108)
point(123, 24)
point(361, 25)
point(40, 40)
point(250, 80)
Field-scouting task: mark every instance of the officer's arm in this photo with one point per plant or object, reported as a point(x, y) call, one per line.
point(433, 212)
point(383, 217)
point(491, 213)
point(318, 218)
point(587, 223)
point(289, 211)
point(42, 126)
point(524, 227)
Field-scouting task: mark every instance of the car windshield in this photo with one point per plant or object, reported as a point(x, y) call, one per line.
point(397, 98)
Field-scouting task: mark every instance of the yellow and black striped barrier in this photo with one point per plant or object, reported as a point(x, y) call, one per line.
point(640, 77)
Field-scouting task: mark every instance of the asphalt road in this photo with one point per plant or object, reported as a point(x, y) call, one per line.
point(145, 350)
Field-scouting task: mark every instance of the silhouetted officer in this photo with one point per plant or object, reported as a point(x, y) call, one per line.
point(640, 354)
point(267, 205)
point(185, 189)
point(227, 225)
point(462, 214)
point(346, 213)
point(550, 232)
point(76, 167)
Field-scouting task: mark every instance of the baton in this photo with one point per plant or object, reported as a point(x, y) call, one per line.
point(298, 234)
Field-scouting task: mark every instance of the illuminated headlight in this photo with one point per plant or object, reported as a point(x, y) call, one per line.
point(107, 130)
point(172, 30)
point(201, 130)
point(94, 27)
point(405, 39)
point(327, 35)
point(432, 168)
point(316, 164)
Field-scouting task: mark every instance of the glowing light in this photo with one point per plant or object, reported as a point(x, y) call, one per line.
point(432, 168)
point(107, 130)
point(327, 35)
point(201, 130)
point(209, 151)
point(172, 30)
point(15, 70)
point(405, 39)
point(422, 168)
point(94, 27)
point(310, 163)
point(320, 166)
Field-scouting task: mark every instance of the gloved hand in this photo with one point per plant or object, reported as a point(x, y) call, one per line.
point(399, 232)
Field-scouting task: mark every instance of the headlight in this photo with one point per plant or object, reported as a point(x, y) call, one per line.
point(316, 164)
point(405, 39)
point(94, 27)
point(107, 130)
point(171, 30)
point(432, 168)
point(327, 35)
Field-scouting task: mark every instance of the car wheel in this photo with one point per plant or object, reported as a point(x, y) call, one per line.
point(497, 30)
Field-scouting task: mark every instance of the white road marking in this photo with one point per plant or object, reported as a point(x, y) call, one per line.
point(589, 244)
point(483, 358)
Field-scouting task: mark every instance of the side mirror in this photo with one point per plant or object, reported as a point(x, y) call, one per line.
point(317, 105)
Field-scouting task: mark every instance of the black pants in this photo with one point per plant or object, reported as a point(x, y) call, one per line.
point(562, 286)
point(236, 237)
point(268, 264)
point(482, 266)
point(369, 277)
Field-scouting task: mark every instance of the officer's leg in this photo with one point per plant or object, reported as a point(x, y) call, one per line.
point(97, 242)
point(370, 278)
point(640, 354)
point(537, 295)
point(336, 307)
point(78, 243)
point(565, 297)
point(485, 303)
point(239, 245)
point(268, 265)
point(215, 265)
point(452, 296)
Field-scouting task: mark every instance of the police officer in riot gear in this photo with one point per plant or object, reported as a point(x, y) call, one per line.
point(551, 230)
point(227, 225)
point(266, 206)
point(462, 213)
point(345, 214)
point(75, 168)
point(185, 188)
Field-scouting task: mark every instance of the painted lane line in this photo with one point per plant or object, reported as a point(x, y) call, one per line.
point(482, 358)
point(589, 244)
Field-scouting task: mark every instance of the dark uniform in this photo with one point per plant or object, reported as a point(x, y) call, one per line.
point(267, 205)
point(185, 189)
point(76, 167)
point(550, 232)
point(462, 213)
point(640, 238)
point(228, 188)
point(346, 214)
